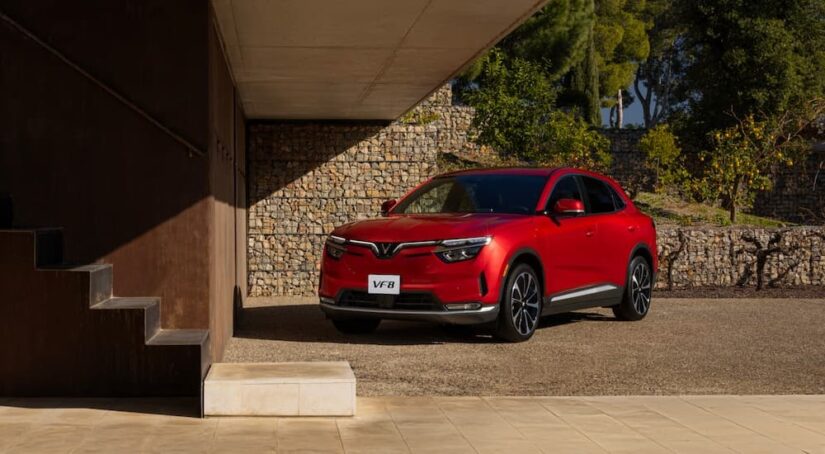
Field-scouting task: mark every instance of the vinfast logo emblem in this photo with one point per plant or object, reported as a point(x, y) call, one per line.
point(384, 250)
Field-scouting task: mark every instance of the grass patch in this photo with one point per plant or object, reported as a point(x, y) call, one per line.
point(670, 210)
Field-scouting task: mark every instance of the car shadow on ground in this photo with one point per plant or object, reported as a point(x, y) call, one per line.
point(306, 323)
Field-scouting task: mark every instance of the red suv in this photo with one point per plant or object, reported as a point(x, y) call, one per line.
point(498, 246)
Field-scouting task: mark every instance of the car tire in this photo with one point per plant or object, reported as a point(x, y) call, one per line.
point(637, 292)
point(356, 325)
point(520, 306)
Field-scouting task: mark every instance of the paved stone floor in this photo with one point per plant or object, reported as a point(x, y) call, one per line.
point(700, 424)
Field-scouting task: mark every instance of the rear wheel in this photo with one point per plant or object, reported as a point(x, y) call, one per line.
point(356, 325)
point(520, 308)
point(636, 300)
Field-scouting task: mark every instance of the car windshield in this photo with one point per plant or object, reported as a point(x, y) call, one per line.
point(475, 194)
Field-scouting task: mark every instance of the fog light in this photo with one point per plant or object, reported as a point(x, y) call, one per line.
point(326, 300)
point(463, 307)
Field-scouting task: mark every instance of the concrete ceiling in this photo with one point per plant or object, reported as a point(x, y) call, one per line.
point(355, 59)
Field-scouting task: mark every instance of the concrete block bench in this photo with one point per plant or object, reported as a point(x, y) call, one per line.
point(280, 389)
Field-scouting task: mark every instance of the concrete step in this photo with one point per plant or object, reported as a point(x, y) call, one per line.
point(280, 389)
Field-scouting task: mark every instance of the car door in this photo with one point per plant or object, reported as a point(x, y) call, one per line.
point(567, 243)
point(611, 239)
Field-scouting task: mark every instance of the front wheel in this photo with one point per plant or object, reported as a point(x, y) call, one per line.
point(636, 300)
point(356, 325)
point(520, 308)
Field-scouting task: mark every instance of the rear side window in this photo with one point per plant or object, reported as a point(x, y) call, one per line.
point(566, 188)
point(599, 196)
point(618, 201)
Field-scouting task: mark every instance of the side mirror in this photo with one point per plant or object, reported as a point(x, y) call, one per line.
point(568, 207)
point(387, 206)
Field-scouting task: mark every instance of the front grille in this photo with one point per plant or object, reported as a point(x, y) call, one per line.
point(406, 301)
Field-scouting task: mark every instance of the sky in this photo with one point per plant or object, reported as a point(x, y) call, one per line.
point(632, 114)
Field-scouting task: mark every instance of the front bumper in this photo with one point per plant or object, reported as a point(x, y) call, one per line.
point(485, 314)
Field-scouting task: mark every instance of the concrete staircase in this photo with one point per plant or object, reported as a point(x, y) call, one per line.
point(63, 333)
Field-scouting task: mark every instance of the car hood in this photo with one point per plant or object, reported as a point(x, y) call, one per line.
point(396, 228)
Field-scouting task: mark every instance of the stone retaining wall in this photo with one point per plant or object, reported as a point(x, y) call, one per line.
point(305, 178)
point(723, 257)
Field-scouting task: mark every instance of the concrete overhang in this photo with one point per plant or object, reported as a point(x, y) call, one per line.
point(355, 59)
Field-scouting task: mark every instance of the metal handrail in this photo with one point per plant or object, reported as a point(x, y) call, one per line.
point(193, 150)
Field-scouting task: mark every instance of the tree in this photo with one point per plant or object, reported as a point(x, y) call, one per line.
point(746, 153)
point(658, 77)
point(556, 38)
point(662, 156)
point(751, 56)
point(516, 116)
point(512, 102)
point(620, 39)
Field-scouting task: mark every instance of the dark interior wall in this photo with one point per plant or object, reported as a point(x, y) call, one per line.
point(226, 158)
point(72, 155)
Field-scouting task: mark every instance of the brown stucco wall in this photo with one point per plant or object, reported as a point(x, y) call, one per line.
point(72, 155)
point(226, 157)
point(127, 191)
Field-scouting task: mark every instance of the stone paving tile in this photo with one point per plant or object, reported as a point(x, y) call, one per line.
point(761, 422)
point(689, 424)
point(308, 435)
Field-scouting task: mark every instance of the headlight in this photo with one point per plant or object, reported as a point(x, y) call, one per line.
point(461, 249)
point(335, 247)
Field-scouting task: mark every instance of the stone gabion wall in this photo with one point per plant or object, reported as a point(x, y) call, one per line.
point(722, 257)
point(306, 178)
point(798, 194)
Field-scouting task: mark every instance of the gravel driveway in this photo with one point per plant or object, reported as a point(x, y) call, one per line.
point(685, 346)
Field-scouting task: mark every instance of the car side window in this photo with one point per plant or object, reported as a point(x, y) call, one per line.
point(601, 200)
point(566, 188)
point(618, 201)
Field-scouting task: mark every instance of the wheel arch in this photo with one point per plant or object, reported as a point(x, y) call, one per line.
point(643, 250)
point(530, 257)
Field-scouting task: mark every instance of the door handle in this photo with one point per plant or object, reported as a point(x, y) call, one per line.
point(631, 228)
point(588, 233)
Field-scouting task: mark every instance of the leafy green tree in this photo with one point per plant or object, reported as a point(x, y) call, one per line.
point(512, 102)
point(620, 38)
point(751, 56)
point(658, 78)
point(663, 156)
point(570, 141)
point(556, 38)
point(516, 116)
point(745, 154)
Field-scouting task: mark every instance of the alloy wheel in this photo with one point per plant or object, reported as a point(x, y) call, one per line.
point(524, 298)
point(640, 287)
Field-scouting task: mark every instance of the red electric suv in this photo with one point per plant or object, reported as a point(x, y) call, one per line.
point(493, 246)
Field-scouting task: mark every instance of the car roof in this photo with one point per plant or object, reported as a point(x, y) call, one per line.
point(538, 171)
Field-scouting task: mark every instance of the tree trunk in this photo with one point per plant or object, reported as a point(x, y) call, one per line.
point(732, 201)
point(619, 111)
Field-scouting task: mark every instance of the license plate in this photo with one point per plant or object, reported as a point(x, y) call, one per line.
point(384, 284)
